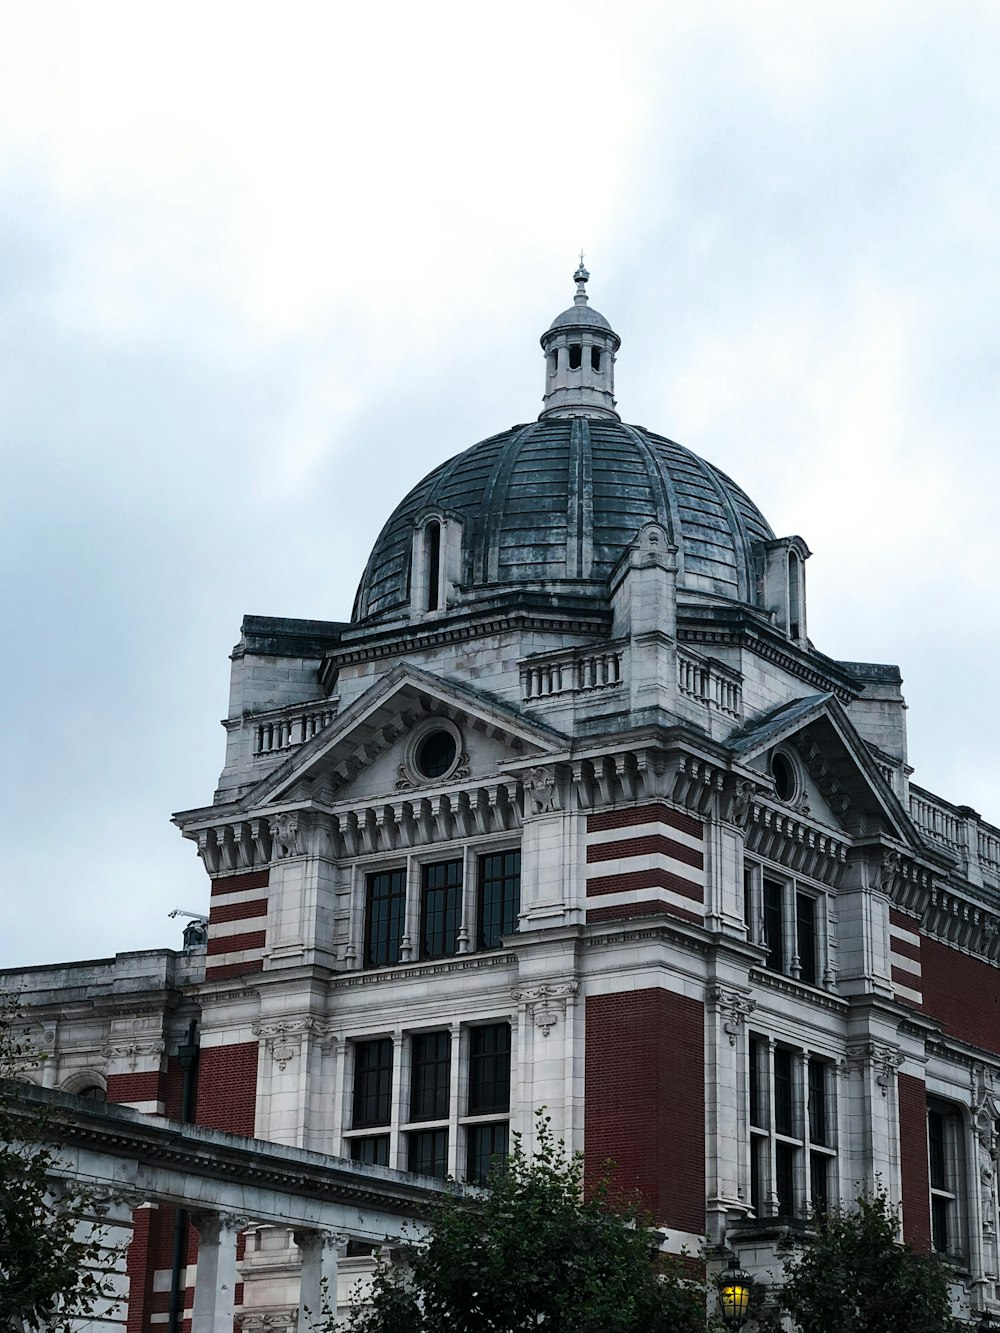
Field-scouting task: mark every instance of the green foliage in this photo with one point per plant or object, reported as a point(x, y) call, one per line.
point(48, 1276)
point(855, 1278)
point(529, 1253)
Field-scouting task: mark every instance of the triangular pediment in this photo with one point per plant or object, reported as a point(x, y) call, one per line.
point(377, 746)
point(838, 780)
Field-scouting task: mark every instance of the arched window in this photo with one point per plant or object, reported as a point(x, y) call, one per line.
point(432, 563)
point(595, 359)
point(794, 595)
point(575, 356)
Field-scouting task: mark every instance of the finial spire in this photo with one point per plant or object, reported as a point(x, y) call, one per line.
point(581, 278)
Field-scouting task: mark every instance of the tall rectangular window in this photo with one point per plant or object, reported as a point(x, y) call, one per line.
point(792, 1152)
point(784, 1093)
point(499, 897)
point(372, 1082)
point(489, 1069)
point(371, 1150)
point(430, 1075)
point(385, 914)
point(486, 1144)
point(805, 928)
point(944, 1152)
point(427, 1152)
point(817, 1102)
point(774, 925)
point(440, 909)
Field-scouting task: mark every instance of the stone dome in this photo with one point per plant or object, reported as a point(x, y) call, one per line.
point(548, 508)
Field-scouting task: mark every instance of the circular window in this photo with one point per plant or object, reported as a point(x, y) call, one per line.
point(436, 754)
point(785, 783)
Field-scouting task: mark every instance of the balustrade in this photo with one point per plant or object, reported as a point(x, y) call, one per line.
point(710, 684)
point(289, 728)
point(571, 673)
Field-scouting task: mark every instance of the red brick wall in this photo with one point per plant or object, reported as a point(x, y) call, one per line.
point(961, 992)
point(913, 1154)
point(141, 1087)
point(645, 1100)
point(227, 1087)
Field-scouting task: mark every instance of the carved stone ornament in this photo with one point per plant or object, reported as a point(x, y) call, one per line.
point(734, 1007)
point(267, 1321)
point(131, 1052)
point(546, 1004)
point(286, 834)
point(540, 790)
point(886, 1061)
point(742, 801)
point(283, 1038)
point(888, 869)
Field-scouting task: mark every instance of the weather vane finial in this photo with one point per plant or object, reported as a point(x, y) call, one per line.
point(580, 278)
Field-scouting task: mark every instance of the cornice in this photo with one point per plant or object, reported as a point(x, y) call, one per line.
point(775, 981)
point(397, 641)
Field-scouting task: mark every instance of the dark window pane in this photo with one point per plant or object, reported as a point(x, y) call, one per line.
point(595, 358)
point(575, 357)
point(489, 1069)
point(935, 1144)
point(372, 1150)
point(427, 1152)
point(774, 921)
point(757, 1116)
point(819, 1187)
point(430, 1076)
point(748, 899)
point(436, 754)
point(440, 909)
point(372, 1082)
point(432, 535)
point(817, 1102)
point(805, 915)
point(940, 1208)
point(485, 1143)
point(784, 1099)
point(757, 1149)
point(499, 897)
point(384, 916)
point(784, 1178)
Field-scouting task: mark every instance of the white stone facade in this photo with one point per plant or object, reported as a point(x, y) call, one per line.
point(579, 821)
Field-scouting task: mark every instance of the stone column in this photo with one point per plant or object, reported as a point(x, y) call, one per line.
point(321, 1253)
point(108, 1218)
point(215, 1284)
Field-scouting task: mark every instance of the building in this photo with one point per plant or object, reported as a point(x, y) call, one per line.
point(572, 813)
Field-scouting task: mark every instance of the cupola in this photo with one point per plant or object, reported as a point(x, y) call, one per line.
point(580, 347)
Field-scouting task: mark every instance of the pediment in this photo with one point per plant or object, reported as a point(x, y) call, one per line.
point(375, 748)
point(838, 781)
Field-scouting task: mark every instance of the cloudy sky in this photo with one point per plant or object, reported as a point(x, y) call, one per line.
point(262, 267)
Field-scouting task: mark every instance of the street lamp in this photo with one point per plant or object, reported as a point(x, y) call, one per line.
point(734, 1294)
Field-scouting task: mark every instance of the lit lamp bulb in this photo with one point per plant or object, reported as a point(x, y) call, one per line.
point(734, 1295)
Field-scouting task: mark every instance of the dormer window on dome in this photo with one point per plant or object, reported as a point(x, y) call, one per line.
point(580, 347)
point(436, 561)
point(782, 583)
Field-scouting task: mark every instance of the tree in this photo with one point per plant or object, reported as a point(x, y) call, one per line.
point(49, 1275)
point(855, 1278)
point(529, 1253)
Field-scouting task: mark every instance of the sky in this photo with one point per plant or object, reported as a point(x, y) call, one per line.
point(262, 267)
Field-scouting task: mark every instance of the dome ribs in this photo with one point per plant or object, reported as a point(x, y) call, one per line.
point(550, 506)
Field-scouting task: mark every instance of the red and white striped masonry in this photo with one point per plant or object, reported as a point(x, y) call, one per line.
point(904, 957)
point(237, 925)
point(645, 860)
